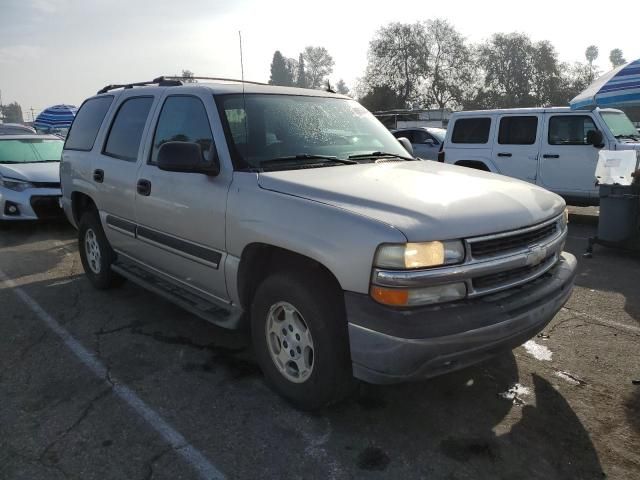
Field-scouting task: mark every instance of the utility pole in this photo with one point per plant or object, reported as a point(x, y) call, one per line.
point(33, 118)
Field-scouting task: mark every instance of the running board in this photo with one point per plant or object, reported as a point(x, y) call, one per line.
point(218, 314)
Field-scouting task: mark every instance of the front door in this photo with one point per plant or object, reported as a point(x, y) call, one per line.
point(424, 145)
point(515, 153)
point(181, 216)
point(568, 161)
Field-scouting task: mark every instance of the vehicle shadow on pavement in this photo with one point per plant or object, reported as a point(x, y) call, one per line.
point(476, 423)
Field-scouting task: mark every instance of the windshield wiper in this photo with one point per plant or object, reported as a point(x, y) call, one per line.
point(306, 156)
point(380, 155)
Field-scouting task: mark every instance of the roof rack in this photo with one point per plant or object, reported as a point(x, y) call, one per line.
point(172, 81)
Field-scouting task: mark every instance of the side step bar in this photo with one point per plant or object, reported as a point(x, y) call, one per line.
point(196, 304)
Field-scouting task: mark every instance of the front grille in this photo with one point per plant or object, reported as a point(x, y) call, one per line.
point(46, 206)
point(509, 243)
point(512, 276)
point(46, 184)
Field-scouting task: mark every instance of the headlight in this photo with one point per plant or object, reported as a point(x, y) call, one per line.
point(564, 219)
point(13, 184)
point(411, 297)
point(419, 255)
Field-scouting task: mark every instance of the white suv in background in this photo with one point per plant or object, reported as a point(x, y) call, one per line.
point(556, 148)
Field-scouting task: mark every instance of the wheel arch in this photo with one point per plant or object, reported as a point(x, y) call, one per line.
point(80, 204)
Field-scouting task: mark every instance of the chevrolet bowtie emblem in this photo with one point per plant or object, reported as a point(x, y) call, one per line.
point(536, 255)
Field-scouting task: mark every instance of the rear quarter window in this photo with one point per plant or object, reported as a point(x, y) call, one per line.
point(85, 126)
point(471, 130)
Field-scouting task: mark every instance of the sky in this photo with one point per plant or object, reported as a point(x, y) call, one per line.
point(63, 51)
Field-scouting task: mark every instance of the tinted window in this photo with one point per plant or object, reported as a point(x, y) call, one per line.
point(471, 130)
point(183, 119)
point(127, 127)
point(408, 134)
point(570, 130)
point(518, 130)
point(420, 136)
point(87, 123)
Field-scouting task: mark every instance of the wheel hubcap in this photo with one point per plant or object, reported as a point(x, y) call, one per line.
point(92, 250)
point(289, 342)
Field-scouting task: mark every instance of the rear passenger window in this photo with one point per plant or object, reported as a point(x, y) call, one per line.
point(570, 129)
point(87, 123)
point(127, 127)
point(518, 130)
point(471, 130)
point(183, 119)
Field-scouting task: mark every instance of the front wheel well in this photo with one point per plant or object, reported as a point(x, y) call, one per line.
point(258, 260)
point(475, 164)
point(80, 204)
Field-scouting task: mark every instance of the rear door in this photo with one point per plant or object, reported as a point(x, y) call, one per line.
point(181, 216)
point(115, 168)
point(515, 151)
point(568, 161)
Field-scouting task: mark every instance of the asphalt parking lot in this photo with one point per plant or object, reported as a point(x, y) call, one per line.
point(123, 385)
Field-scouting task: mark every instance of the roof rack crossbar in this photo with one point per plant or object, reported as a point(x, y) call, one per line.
point(219, 79)
point(171, 81)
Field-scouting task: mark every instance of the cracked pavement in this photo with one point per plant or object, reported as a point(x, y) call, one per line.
point(577, 416)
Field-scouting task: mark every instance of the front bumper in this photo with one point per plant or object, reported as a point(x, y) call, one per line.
point(390, 345)
point(32, 204)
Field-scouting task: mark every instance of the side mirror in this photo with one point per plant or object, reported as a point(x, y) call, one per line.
point(595, 138)
point(404, 141)
point(429, 142)
point(187, 157)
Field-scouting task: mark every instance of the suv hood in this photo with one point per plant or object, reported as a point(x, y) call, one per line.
point(425, 200)
point(32, 172)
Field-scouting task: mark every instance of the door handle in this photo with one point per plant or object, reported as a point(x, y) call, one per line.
point(144, 187)
point(504, 154)
point(98, 175)
point(549, 155)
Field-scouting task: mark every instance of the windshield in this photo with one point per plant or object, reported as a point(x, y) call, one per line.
point(439, 133)
point(30, 150)
point(295, 128)
point(620, 125)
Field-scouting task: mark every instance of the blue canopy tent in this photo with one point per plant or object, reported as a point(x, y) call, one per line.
point(617, 88)
point(55, 119)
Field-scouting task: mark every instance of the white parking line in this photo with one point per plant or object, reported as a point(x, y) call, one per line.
point(193, 456)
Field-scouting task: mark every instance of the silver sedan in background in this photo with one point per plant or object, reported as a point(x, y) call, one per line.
point(426, 141)
point(30, 177)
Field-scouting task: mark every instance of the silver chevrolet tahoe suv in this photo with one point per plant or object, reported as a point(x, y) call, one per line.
point(296, 214)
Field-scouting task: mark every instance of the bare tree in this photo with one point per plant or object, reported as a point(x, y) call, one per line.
point(187, 76)
point(319, 64)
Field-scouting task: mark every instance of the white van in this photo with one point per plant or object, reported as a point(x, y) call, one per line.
point(556, 148)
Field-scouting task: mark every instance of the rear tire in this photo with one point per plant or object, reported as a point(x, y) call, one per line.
point(96, 253)
point(300, 337)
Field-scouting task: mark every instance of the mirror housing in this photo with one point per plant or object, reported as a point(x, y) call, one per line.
point(429, 141)
point(404, 141)
point(186, 157)
point(595, 138)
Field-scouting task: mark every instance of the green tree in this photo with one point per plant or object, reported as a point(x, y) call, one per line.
point(301, 74)
point(616, 58)
point(342, 88)
point(187, 76)
point(319, 64)
point(280, 71)
point(451, 72)
point(397, 60)
point(380, 98)
point(11, 113)
point(518, 72)
point(591, 54)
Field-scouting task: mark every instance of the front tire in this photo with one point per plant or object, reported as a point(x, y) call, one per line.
point(300, 337)
point(96, 253)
